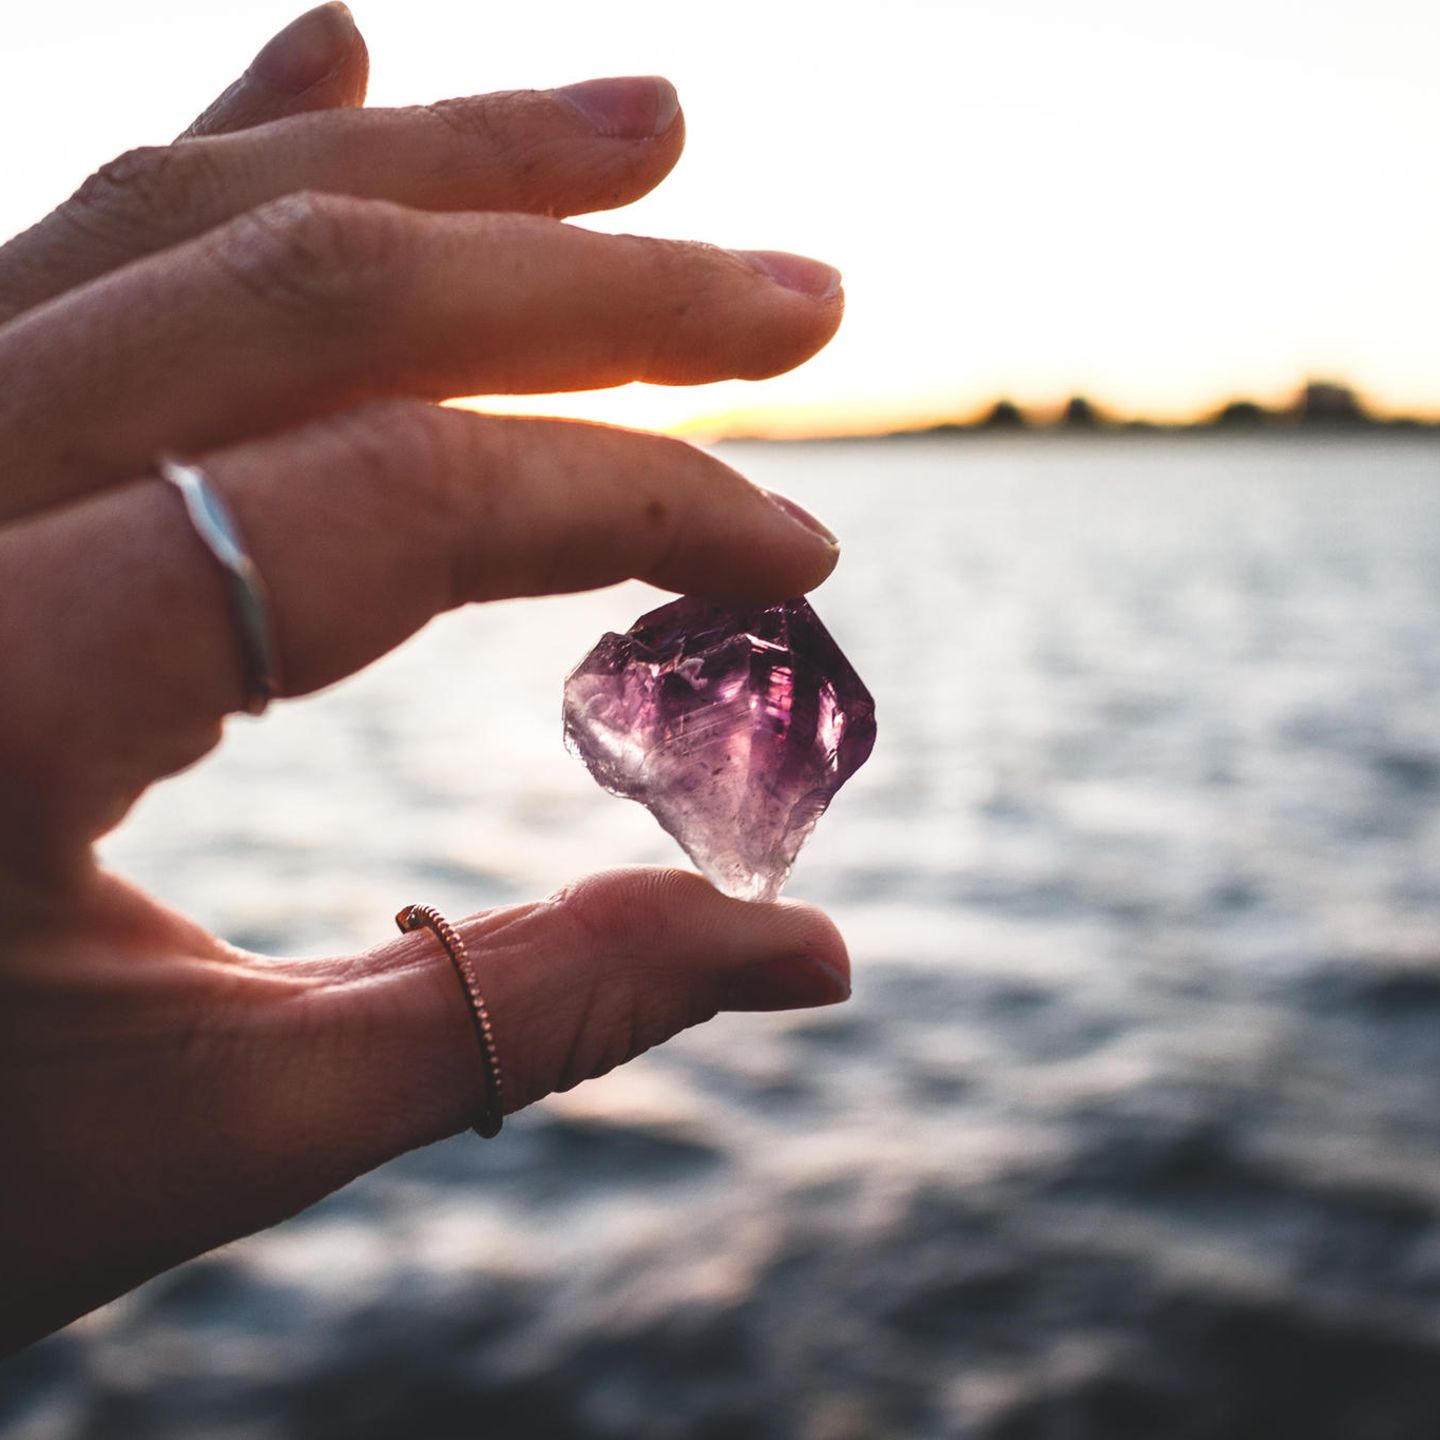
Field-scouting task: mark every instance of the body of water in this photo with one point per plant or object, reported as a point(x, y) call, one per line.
point(1132, 1127)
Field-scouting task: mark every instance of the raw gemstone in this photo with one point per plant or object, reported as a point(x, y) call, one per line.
point(733, 726)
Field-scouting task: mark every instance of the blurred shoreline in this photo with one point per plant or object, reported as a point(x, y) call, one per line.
point(1320, 408)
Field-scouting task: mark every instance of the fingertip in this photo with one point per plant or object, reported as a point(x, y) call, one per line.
point(724, 537)
point(791, 556)
point(643, 114)
point(817, 936)
point(815, 279)
point(760, 955)
point(806, 964)
point(793, 510)
point(319, 61)
point(793, 982)
point(667, 105)
point(310, 48)
point(355, 70)
point(679, 915)
point(812, 567)
point(804, 326)
point(623, 107)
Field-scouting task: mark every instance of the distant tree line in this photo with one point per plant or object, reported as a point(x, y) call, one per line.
point(1324, 405)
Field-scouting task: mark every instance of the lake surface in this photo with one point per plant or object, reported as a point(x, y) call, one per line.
point(1132, 1127)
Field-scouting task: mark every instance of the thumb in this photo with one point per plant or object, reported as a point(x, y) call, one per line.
point(206, 1093)
point(575, 985)
point(317, 62)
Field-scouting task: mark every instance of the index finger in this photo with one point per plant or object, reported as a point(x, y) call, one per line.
point(363, 527)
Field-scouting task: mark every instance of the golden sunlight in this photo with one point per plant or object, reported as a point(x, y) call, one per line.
point(1030, 202)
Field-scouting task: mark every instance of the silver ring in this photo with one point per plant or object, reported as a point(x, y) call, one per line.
point(216, 526)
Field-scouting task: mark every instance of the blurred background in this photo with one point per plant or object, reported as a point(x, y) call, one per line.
point(1132, 1127)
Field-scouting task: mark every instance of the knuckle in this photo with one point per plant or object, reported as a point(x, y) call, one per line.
point(381, 441)
point(475, 119)
point(153, 186)
point(686, 285)
point(517, 162)
point(314, 256)
point(468, 452)
point(413, 466)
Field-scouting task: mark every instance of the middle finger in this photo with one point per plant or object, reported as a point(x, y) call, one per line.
point(313, 303)
point(586, 147)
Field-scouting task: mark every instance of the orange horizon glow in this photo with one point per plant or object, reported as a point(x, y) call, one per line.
point(1154, 207)
point(649, 408)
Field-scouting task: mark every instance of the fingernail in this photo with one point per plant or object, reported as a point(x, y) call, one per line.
point(803, 516)
point(626, 108)
point(795, 982)
point(795, 272)
point(307, 49)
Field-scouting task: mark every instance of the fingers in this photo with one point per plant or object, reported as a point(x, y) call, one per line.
point(363, 528)
point(609, 968)
point(587, 147)
point(316, 62)
point(315, 302)
point(601, 972)
point(563, 152)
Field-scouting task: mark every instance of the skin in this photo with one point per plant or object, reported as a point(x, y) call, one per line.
point(283, 294)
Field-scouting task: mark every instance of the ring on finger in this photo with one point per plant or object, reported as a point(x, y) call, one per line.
point(216, 527)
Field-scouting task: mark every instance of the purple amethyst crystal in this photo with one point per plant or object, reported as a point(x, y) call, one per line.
point(733, 726)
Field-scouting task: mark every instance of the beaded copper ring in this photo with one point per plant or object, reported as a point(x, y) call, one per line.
point(426, 917)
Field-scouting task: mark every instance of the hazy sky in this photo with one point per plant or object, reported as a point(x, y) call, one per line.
point(1153, 203)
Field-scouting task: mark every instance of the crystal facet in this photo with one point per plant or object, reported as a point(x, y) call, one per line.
point(733, 726)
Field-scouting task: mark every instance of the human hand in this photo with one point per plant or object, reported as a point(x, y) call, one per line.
point(282, 294)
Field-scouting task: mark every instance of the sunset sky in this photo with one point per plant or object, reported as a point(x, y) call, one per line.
point(1159, 205)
